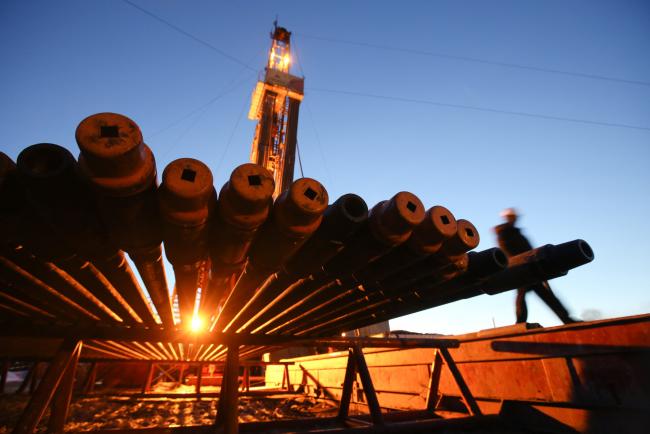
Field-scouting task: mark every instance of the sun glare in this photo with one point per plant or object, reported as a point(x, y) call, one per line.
point(197, 324)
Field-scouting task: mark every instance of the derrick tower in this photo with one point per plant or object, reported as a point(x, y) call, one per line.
point(275, 104)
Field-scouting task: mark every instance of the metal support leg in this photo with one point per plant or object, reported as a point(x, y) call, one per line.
point(27, 380)
point(467, 396)
point(247, 379)
point(3, 375)
point(227, 413)
point(368, 387)
point(348, 383)
point(43, 395)
point(434, 382)
point(89, 383)
point(286, 374)
point(147, 383)
point(199, 378)
point(181, 374)
point(34, 380)
point(63, 396)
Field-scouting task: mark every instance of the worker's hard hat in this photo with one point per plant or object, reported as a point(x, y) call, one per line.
point(509, 213)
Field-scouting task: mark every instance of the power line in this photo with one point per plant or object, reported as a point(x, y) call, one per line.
point(189, 35)
point(477, 60)
point(232, 134)
point(319, 145)
point(481, 109)
point(221, 94)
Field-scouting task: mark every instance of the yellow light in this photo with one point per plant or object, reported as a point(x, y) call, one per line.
point(197, 324)
point(286, 59)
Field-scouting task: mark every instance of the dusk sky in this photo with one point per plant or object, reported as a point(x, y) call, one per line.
point(474, 105)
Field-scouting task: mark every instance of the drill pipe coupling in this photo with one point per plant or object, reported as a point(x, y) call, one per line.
point(392, 221)
point(246, 199)
point(465, 239)
point(186, 193)
point(299, 210)
point(438, 225)
point(114, 156)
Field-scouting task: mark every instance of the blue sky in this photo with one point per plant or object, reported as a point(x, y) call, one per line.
point(62, 61)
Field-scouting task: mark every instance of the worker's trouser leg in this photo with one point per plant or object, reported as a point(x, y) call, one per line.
point(543, 290)
point(522, 310)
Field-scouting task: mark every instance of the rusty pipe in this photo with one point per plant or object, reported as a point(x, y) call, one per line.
point(243, 206)
point(390, 223)
point(122, 171)
point(186, 197)
point(50, 174)
point(427, 237)
point(340, 220)
point(296, 215)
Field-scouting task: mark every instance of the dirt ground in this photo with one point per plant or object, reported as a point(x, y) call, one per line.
point(94, 413)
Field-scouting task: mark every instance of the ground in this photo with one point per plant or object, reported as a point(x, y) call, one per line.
point(114, 412)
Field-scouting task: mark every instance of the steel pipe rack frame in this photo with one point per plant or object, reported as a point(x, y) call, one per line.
point(55, 388)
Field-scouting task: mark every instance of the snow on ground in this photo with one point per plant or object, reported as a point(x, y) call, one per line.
point(94, 413)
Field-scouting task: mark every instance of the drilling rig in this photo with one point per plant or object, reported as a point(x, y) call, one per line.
point(275, 104)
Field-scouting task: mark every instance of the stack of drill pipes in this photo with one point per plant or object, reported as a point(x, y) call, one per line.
point(121, 169)
point(39, 293)
point(14, 306)
point(295, 216)
point(50, 175)
point(25, 224)
point(340, 220)
point(65, 284)
point(448, 259)
point(389, 224)
point(426, 239)
point(487, 274)
point(243, 206)
point(539, 264)
point(187, 198)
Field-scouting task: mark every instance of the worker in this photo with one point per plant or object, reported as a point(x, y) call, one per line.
point(512, 242)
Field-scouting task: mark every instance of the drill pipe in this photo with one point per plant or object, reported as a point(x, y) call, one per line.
point(380, 307)
point(465, 239)
point(24, 223)
point(340, 220)
point(427, 238)
point(10, 198)
point(186, 197)
point(122, 171)
point(52, 301)
point(50, 174)
point(389, 224)
point(296, 214)
point(243, 206)
point(365, 300)
point(449, 260)
point(543, 263)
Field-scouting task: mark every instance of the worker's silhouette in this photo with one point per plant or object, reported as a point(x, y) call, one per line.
point(512, 242)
